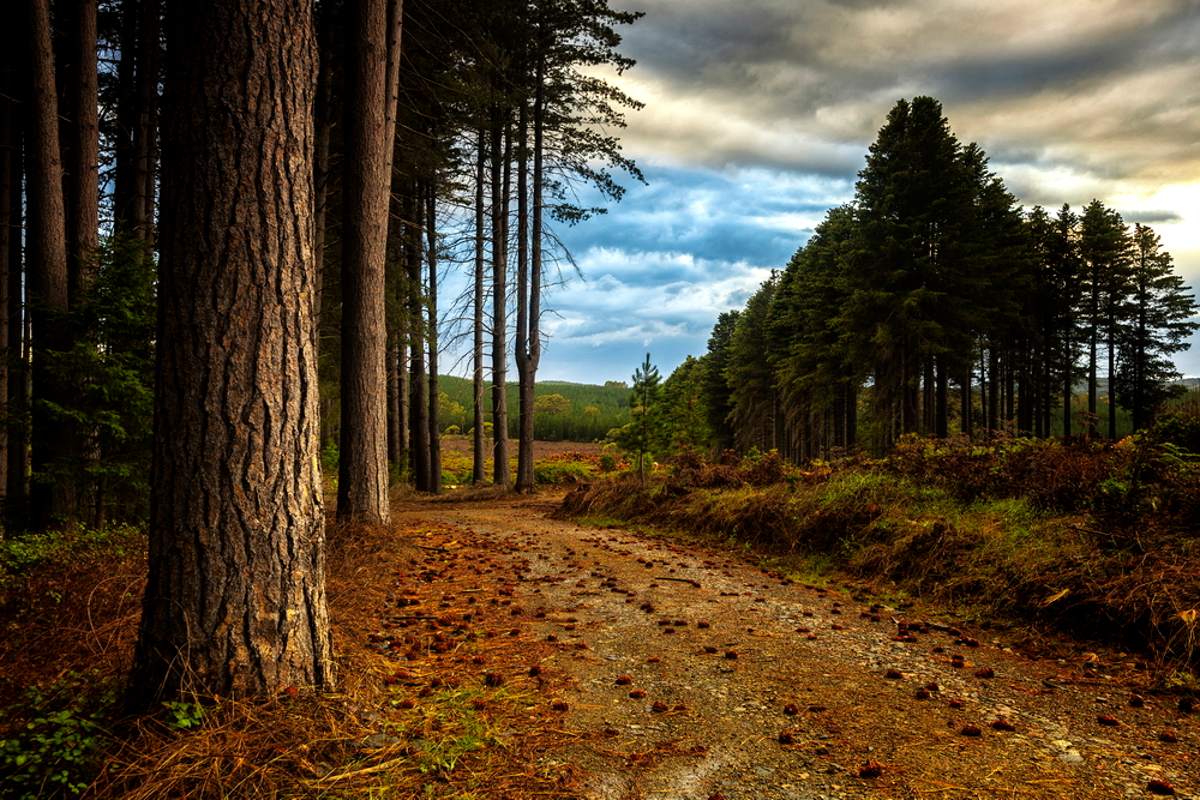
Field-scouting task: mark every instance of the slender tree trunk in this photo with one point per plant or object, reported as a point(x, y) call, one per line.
point(124, 190)
point(16, 418)
point(533, 338)
point(393, 398)
point(1068, 385)
point(435, 436)
point(524, 398)
point(323, 121)
point(966, 401)
point(81, 143)
point(418, 407)
point(235, 601)
point(10, 191)
point(11, 224)
point(146, 134)
point(478, 471)
point(994, 383)
point(851, 415)
point(53, 442)
point(500, 157)
point(1093, 335)
point(941, 426)
point(372, 59)
point(1112, 372)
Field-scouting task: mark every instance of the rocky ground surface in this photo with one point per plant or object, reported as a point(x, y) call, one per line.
point(683, 671)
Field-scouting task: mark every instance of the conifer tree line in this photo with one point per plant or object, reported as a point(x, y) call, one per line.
point(933, 303)
point(223, 230)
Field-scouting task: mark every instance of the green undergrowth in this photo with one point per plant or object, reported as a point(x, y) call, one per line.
point(23, 553)
point(1098, 541)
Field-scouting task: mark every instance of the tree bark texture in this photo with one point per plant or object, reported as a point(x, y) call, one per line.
point(235, 601)
point(52, 441)
point(372, 67)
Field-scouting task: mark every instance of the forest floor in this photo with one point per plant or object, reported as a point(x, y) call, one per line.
point(489, 649)
point(684, 671)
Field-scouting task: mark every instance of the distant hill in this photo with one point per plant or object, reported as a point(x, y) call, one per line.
point(586, 412)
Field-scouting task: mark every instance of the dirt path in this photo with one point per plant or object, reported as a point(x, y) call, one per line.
point(692, 674)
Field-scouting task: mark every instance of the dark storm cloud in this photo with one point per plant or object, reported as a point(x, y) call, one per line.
point(826, 72)
point(1151, 217)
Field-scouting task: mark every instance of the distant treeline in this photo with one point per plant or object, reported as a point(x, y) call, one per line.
point(934, 303)
point(563, 411)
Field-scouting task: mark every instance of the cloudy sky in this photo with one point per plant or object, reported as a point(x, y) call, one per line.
point(759, 113)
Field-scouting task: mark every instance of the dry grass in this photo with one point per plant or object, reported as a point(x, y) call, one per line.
point(419, 617)
point(1087, 550)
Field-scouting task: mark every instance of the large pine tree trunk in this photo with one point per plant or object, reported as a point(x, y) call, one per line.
point(372, 60)
point(53, 442)
point(235, 601)
point(478, 471)
point(500, 157)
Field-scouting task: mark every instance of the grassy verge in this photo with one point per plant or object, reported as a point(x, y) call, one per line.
point(1099, 542)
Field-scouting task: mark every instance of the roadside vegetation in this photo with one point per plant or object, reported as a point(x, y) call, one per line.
point(1097, 539)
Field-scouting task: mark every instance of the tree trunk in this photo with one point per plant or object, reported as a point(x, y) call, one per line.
point(534, 336)
point(965, 401)
point(235, 601)
point(1112, 372)
point(500, 157)
point(521, 344)
point(323, 122)
point(145, 142)
point(941, 417)
point(10, 199)
point(478, 472)
point(435, 438)
point(15, 421)
point(124, 181)
point(372, 60)
point(1092, 336)
point(53, 441)
point(81, 144)
point(418, 408)
point(993, 395)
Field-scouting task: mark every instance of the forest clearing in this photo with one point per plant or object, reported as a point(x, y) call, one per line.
point(323, 472)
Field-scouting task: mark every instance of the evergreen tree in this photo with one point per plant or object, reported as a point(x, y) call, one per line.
point(715, 380)
point(643, 434)
point(1161, 320)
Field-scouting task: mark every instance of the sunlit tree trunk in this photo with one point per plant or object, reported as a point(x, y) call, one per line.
point(373, 62)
